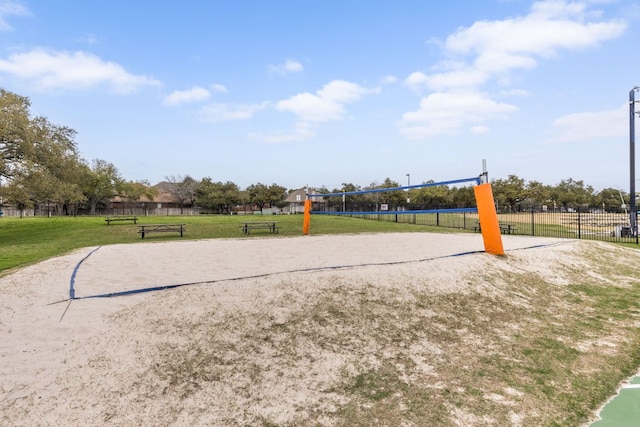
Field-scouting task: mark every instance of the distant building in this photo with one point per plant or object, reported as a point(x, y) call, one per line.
point(295, 200)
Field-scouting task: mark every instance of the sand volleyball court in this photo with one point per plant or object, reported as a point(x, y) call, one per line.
point(250, 333)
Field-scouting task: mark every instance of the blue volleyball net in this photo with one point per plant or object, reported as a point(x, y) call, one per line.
point(446, 203)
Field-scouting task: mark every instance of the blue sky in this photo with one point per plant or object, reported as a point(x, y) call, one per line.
point(323, 92)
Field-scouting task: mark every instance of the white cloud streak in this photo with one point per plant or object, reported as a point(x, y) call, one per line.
point(8, 9)
point(179, 97)
point(218, 88)
point(312, 109)
point(489, 51)
point(450, 113)
point(592, 126)
point(79, 70)
point(327, 104)
point(216, 113)
point(301, 132)
point(288, 67)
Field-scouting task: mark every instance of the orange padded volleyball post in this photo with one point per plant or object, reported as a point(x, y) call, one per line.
point(307, 217)
point(488, 219)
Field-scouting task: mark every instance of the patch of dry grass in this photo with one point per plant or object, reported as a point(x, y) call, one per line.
point(514, 348)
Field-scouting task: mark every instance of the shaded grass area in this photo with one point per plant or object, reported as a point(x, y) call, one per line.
point(532, 353)
point(28, 240)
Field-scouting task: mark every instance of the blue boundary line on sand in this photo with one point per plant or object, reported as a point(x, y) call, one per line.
point(232, 279)
point(72, 291)
point(302, 270)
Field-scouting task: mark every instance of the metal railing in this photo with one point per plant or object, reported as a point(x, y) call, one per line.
point(577, 223)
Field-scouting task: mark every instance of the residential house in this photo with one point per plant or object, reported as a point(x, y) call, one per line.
point(295, 200)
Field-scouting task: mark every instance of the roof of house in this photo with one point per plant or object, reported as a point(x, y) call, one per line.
point(163, 195)
point(299, 196)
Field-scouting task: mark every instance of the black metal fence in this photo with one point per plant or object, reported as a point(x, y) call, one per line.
point(577, 223)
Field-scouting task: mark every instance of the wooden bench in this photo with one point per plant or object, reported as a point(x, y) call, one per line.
point(508, 228)
point(111, 219)
point(161, 228)
point(272, 226)
point(504, 228)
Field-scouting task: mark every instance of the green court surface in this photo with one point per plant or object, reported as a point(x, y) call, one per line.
point(624, 409)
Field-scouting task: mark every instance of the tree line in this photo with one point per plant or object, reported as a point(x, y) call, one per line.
point(40, 166)
point(510, 195)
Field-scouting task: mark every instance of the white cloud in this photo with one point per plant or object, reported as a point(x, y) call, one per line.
point(461, 78)
point(178, 97)
point(388, 80)
point(592, 126)
point(312, 108)
point(480, 129)
point(448, 113)
point(550, 26)
point(301, 132)
point(216, 113)
point(90, 39)
point(8, 9)
point(498, 47)
point(289, 66)
point(326, 104)
point(489, 51)
point(71, 71)
point(521, 93)
point(218, 88)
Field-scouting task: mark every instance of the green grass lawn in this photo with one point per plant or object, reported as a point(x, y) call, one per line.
point(24, 241)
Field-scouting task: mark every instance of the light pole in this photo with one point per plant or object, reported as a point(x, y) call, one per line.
point(632, 162)
point(408, 185)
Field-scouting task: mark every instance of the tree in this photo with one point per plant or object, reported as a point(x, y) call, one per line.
point(219, 196)
point(277, 194)
point(183, 189)
point(394, 199)
point(509, 192)
point(14, 132)
point(570, 193)
point(434, 197)
point(37, 158)
point(262, 195)
point(133, 191)
point(24, 139)
point(463, 197)
point(612, 199)
point(17, 193)
point(538, 192)
point(100, 183)
point(352, 202)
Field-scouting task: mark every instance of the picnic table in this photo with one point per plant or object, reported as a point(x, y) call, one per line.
point(508, 228)
point(160, 228)
point(504, 228)
point(272, 226)
point(110, 219)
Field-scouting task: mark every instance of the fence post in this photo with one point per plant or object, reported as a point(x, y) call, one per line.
point(579, 225)
point(533, 222)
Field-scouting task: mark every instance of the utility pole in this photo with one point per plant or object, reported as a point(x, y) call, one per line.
point(633, 216)
point(408, 185)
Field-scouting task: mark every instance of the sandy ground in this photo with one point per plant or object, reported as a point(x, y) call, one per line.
point(87, 361)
